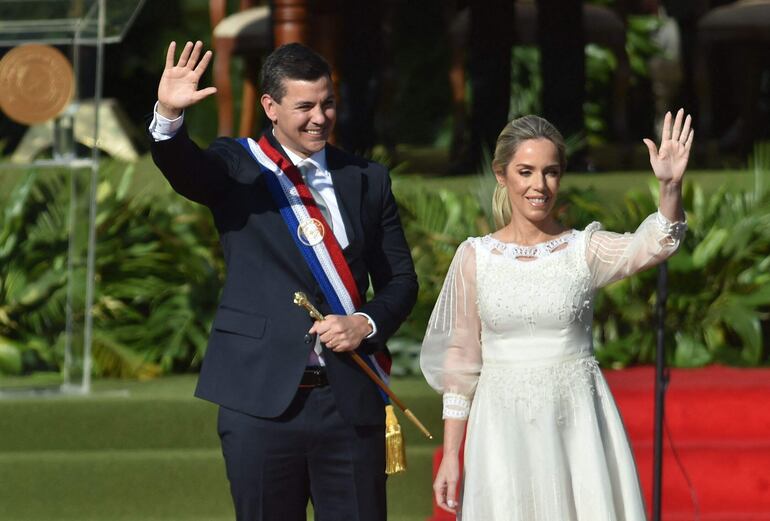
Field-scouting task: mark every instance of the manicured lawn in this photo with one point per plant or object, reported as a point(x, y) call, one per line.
point(148, 451)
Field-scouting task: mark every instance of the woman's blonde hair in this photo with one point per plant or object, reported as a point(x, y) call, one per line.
point(513, 134)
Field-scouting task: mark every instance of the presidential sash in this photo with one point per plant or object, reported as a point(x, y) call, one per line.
point(313, 236)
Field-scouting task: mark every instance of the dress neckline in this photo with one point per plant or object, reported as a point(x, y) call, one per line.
point(541, 249)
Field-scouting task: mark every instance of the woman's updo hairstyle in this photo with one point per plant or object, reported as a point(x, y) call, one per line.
point(513, 134)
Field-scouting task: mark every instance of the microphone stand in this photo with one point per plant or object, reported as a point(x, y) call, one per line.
point(661, 383)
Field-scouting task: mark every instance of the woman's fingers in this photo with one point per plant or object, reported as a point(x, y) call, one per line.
point(690, 137)
point(443, 498)
point(445, 490)
point(665, 134)
point(450, 495)
point(685, 134)
point(651, 148)
point(677, 130)
point(439, 493)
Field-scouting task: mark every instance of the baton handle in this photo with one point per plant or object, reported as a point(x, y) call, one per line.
point(300, 299)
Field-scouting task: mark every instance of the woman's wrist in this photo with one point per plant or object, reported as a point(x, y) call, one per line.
point(451, 452)
point(670, 187)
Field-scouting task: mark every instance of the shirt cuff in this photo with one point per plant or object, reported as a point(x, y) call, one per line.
point(162, 128)
point(371, 323)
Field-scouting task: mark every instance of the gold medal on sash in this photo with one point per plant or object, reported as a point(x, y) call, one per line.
point(310, 232)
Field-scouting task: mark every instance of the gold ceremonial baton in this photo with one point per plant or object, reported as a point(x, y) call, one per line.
point(300, 299)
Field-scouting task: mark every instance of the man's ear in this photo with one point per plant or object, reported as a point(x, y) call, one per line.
point(268, 105)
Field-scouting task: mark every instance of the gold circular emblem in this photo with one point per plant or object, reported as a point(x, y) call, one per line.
point(36, 83)
point(310, 232)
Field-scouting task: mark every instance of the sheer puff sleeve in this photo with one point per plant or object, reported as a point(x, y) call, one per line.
point(613, 256)
point(450, 357)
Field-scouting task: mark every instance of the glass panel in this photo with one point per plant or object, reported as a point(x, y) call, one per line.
point(46, 282)
point(64, 21)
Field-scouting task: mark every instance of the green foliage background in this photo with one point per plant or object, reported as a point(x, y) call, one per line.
point(159, 270)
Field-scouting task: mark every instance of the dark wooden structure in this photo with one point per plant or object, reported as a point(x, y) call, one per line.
point(253, 31)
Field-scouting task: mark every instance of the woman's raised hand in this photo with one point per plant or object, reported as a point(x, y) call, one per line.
point(670, 160)
point(178, 87)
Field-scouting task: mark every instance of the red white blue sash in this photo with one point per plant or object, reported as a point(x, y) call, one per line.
point(312, 235)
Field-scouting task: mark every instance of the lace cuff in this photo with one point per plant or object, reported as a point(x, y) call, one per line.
point(456, 407)
point(674, 230)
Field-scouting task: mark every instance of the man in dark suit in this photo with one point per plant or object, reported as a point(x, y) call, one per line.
point(298, 419)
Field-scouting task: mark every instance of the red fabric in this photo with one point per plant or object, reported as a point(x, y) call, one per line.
point(330, 241)
point(719, 421)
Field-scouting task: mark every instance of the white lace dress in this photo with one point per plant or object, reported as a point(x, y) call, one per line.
point(509, 345)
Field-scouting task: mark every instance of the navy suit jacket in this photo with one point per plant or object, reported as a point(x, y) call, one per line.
point(258, 348)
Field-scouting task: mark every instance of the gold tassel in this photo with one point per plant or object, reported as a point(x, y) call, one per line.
point(395, 451)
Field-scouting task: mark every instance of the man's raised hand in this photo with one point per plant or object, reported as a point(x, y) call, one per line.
point(178, 87)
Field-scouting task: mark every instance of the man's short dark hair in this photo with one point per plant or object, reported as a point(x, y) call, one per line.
point(292, 61)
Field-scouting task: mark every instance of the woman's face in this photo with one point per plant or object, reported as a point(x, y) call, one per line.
point(532, 179)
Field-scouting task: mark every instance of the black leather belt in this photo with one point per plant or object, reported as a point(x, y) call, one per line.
point(314, 377)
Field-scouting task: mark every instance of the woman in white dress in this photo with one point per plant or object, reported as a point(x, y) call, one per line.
point(509, 343)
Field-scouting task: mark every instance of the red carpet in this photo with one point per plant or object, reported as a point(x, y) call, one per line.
point(719, 421)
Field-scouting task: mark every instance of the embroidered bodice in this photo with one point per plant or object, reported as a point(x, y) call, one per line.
point(546, 297)
point(505, 305)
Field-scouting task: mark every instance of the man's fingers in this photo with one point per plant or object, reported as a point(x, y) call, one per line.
point(185, 55)
point(170, 55)
point(688, 143)
point(195, 54)
point(201, 67)
point(316, 328)
point(204, 93)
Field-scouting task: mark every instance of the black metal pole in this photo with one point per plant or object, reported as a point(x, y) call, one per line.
point(661, 383)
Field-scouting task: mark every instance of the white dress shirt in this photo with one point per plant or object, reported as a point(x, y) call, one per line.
point(320, 179)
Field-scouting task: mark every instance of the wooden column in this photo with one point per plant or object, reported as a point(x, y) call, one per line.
point(290, 21)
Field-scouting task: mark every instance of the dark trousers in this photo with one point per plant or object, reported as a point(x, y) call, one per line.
point(275, 465)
